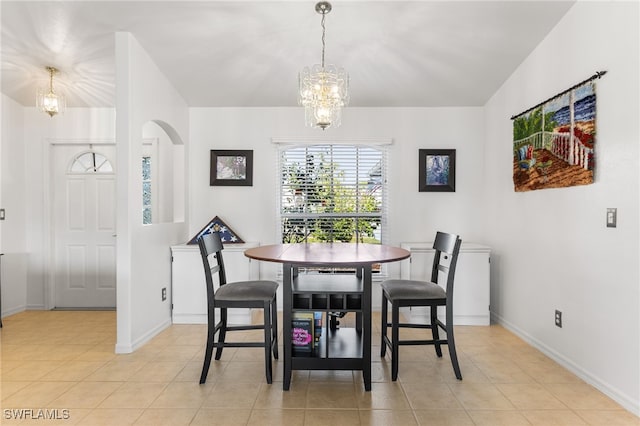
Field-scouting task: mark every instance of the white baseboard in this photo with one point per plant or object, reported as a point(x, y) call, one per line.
point(422, 314)
point(127, 348)
point(12, 311)
point(38, 307)
point(189, 318)
point(625, 400)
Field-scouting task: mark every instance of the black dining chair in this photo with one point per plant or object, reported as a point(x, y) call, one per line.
point(402, 293)
point(258, 294)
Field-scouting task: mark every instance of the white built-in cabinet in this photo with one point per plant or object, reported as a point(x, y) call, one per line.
point(188, 287)
point(471, 284)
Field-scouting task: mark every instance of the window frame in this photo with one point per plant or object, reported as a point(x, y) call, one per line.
point(378, 145)
point(88, 170)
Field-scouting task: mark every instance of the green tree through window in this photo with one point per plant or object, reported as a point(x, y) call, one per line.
point(332, 193)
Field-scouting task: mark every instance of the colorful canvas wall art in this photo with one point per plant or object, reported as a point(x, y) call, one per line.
point(553, 144)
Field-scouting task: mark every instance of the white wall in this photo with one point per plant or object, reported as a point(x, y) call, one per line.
point(12, 189)
point(413, 216)
point(13, 168)
point(551, 249)
point(144, 258)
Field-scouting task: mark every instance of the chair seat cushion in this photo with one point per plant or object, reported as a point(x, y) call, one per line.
point(247, 290)
point(410, 289)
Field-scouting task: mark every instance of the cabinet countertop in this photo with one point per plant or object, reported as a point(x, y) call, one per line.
point(227, 246)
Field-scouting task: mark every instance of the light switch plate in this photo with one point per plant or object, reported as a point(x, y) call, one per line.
point(1, 214)
point(612, 217)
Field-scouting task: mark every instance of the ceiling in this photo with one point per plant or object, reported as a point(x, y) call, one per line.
point(249, 53)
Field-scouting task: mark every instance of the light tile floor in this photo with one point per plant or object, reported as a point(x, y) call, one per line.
point(64, 361)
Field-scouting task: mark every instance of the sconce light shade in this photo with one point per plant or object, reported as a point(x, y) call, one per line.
point(47, 100)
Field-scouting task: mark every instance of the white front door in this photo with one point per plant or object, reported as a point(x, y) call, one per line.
point(84, 259)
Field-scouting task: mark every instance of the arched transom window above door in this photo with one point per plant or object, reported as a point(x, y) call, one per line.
point(90, 162)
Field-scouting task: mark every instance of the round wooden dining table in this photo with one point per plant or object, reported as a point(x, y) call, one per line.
point(348, 290)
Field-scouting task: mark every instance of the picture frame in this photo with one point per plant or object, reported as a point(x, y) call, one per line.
point(437, 170)
point(231, 167)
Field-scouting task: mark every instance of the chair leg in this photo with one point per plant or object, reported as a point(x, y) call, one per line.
point(383, 327)
point(395, 337)
point(211, 331)
point(451, 343)
point(222, 333)
point(434, 329)
point(267, 340)
point(274, 327)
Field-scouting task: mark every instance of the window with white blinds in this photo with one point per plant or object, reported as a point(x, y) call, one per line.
point(332, 192)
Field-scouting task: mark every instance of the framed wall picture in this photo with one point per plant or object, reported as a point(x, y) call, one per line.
point(437, 170)
point(231, 167)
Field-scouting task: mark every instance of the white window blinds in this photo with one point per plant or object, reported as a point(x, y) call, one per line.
point(332, 192)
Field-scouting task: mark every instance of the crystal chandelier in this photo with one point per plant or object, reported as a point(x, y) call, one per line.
point(323, 90)
point(47, 100)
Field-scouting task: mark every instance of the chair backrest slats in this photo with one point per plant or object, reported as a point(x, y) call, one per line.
point(211, 244)
point(447, 248)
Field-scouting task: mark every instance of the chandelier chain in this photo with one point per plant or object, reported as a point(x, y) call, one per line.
point(51, 80)
point(323, 31)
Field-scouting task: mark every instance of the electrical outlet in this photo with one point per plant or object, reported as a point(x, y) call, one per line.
point(1, 214)
point(558, 318)
point(164, 294)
